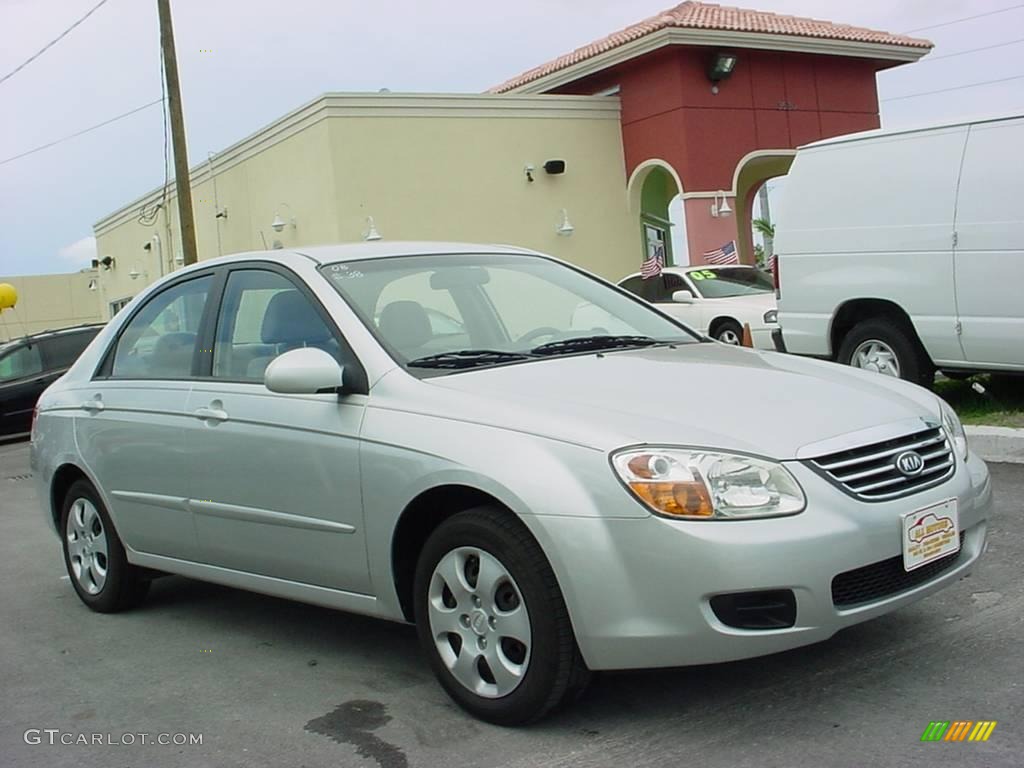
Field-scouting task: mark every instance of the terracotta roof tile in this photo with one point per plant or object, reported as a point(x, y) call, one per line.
point(695, 15)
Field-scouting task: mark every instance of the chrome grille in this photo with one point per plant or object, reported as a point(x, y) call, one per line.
point(869, 472)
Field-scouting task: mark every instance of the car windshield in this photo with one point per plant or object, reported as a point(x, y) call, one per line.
point(461, 311)
point(724, 283)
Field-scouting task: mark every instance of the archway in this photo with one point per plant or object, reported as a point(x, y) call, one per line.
point(654, 194)
point(752, 171)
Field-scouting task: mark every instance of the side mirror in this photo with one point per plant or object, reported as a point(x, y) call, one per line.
point(682, 296)
point(306, 371)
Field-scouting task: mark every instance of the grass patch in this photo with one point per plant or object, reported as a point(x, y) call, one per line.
point(1001, 405)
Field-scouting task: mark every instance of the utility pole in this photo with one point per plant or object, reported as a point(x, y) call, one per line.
point(181, 178)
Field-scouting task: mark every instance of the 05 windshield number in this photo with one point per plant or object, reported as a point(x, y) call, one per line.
point(704, 274)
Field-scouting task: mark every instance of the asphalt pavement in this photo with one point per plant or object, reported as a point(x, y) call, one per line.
point(266, 682)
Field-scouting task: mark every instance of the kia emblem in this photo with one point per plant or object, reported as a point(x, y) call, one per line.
point(909, 463)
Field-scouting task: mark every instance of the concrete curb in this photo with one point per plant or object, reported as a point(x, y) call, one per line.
point(996, 443)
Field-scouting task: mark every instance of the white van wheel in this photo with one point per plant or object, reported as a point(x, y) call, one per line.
point(884, 346)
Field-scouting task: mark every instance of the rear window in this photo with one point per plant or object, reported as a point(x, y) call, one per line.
point(62, 350)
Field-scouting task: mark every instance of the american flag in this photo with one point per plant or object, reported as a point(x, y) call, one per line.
point(724, 255)
point(652, 266)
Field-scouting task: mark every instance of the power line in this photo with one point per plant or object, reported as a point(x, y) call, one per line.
point(970, 50)
point(965, 18)
point(52, 43)
point(954, 88)
point(79, 133)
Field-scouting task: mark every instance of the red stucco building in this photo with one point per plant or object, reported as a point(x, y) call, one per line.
point(688, 130)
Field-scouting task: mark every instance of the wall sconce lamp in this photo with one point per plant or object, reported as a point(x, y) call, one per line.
point(371, 232)
point(134, 274)
point(720, 68)
point(565, 228)
point(179, 259)
point(528, 170)
point(222, 213)
point(278, 224)
point(106, 262)
point(720, 205)
point(92, 284)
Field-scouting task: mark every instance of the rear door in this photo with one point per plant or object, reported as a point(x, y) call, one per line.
point(22, 380)
point(989, 256)
point(131, 430)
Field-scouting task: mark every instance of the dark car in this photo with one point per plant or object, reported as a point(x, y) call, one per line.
point(29, 365)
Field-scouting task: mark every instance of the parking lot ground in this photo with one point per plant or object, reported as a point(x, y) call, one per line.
point(273, 683)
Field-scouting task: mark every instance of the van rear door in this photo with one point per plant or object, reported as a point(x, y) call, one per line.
point(989, 253)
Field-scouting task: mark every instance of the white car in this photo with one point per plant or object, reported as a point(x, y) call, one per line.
point(715, 300)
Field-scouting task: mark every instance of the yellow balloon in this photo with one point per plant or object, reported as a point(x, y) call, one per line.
point(8, 296)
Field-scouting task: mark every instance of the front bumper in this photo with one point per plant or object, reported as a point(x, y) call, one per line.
point(639, 590)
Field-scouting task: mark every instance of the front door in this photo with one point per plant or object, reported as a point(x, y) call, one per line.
point(275, 478)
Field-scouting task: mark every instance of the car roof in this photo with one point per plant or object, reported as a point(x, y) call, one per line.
point(331, 254)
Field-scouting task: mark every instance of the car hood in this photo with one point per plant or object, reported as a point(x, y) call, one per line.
point(710, 395)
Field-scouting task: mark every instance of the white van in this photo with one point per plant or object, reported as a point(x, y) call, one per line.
point(903, 251)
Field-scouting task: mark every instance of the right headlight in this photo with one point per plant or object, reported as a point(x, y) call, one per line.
point(954, 428)
point(691, 484)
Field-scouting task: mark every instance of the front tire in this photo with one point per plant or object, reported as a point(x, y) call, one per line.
point(492, 620)
point(94, 556)
point(886, 347)
point(729, 332)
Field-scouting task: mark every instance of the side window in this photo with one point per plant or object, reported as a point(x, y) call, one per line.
point(648, 289)
point(21, 362)
point(262, 316)
point(664, 285)
point(635, 285)
point(160, 340)
point(62, 350)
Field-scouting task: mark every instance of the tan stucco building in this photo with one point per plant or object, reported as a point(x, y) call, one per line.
point(48, 302)
point(424, 167)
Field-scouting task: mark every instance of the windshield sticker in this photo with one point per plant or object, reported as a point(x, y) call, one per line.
point(703, 274)
point(342, 272)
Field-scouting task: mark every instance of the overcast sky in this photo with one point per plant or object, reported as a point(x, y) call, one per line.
point(267, 58)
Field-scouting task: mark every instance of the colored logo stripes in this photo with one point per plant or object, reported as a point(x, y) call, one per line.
point(958, 730)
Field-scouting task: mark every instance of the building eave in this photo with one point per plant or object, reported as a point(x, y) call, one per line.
point(898, 54)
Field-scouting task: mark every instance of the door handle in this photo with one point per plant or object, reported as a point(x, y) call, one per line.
point(95, 405)
point(211, 414)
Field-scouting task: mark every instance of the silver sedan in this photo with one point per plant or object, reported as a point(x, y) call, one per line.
point(545, 474)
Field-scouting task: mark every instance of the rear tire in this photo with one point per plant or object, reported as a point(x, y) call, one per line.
point(94, 556)
point(481, 575)
point(888, 348)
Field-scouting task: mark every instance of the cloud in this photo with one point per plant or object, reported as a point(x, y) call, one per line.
point(80, 253)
